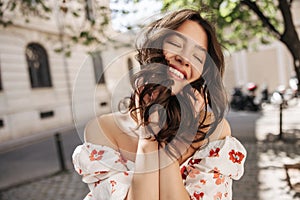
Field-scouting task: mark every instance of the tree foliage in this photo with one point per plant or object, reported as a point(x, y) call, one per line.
point(78, 22)
point(241, 23)
point(236, 24)
point(27, 8)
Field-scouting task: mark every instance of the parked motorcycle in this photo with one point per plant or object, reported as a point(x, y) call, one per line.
point(245, 101)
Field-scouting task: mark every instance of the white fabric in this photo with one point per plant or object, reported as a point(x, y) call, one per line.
point(207, 174)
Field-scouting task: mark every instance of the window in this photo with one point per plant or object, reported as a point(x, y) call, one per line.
point(98, 67)
point(130, 67)
point(38, 66)
point(1, 123)
point(89, 9)
point(46, 114)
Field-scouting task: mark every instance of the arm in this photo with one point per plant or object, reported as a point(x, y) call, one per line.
point(145, 182)
point(170, 182)
point(156, 176)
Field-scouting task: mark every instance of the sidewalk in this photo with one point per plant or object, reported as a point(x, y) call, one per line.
point(264, 178)
point(62, 186)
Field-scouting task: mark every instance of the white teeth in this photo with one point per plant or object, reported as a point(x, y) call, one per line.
point(176, 72)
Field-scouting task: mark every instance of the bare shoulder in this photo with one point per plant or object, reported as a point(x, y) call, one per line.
point(106, 130)
point(222, 130)
point(226, 128)
point(100, 131)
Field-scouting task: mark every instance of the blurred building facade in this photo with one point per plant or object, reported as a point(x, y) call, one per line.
point(41, 89)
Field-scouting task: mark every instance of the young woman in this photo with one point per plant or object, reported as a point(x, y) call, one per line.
point(174, 142)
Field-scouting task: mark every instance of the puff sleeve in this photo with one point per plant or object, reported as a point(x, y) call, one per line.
point(107, 174)
point(209, 173)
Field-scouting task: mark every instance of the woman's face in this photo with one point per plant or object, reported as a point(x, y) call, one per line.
point(185, 51)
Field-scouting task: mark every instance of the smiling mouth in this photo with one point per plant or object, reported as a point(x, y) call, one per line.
point(176, 73)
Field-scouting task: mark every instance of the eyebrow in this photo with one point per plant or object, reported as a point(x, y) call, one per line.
point(185, 39)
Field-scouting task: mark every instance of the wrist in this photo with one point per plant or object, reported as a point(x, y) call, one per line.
point(147, 145)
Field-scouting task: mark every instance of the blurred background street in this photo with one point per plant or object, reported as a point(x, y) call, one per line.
point(65, 62)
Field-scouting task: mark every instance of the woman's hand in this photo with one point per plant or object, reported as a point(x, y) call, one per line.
point(198, 101)
point(145, 181)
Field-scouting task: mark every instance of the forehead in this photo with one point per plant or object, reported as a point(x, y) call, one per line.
point(194, 31)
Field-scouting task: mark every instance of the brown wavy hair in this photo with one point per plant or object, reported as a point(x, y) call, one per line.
point(178, 120)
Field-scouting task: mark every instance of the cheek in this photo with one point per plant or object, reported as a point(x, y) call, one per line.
point(167, 55)
point(196, 73)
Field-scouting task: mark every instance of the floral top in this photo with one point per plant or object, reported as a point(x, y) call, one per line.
point(207, 174)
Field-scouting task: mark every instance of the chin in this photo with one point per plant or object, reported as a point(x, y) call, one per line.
point(178, 86)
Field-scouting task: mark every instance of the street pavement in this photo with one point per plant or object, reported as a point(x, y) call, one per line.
point(264, 178)
point(265, 175)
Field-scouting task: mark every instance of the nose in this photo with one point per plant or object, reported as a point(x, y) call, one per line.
point(182, 61)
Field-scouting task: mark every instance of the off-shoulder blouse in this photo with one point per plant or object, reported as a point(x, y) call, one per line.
point(208, 174)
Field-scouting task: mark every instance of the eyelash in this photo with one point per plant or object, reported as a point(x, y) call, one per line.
point(174, 43)
point(199, 59)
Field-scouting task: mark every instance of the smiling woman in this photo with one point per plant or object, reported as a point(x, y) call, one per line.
point(173, 143)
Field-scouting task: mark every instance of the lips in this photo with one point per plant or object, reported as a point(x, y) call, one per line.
point(177, 72)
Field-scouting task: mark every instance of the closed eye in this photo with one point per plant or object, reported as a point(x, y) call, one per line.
point(176, 44)
point(199, 59)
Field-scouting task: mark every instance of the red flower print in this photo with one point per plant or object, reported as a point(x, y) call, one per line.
point(192, 172)
point(97, 183)
point(214, 153)
point(216, 170)
point(203, 181)
point(198, 195)
point(101, 172)
point(121, 160)
point(218, 196)
point(194, 161)
point(126, 174)
point(183, 172)
point(113, 183)
point(96, 155)
point(236, 157)
point(89, 194)
point(220, 178)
